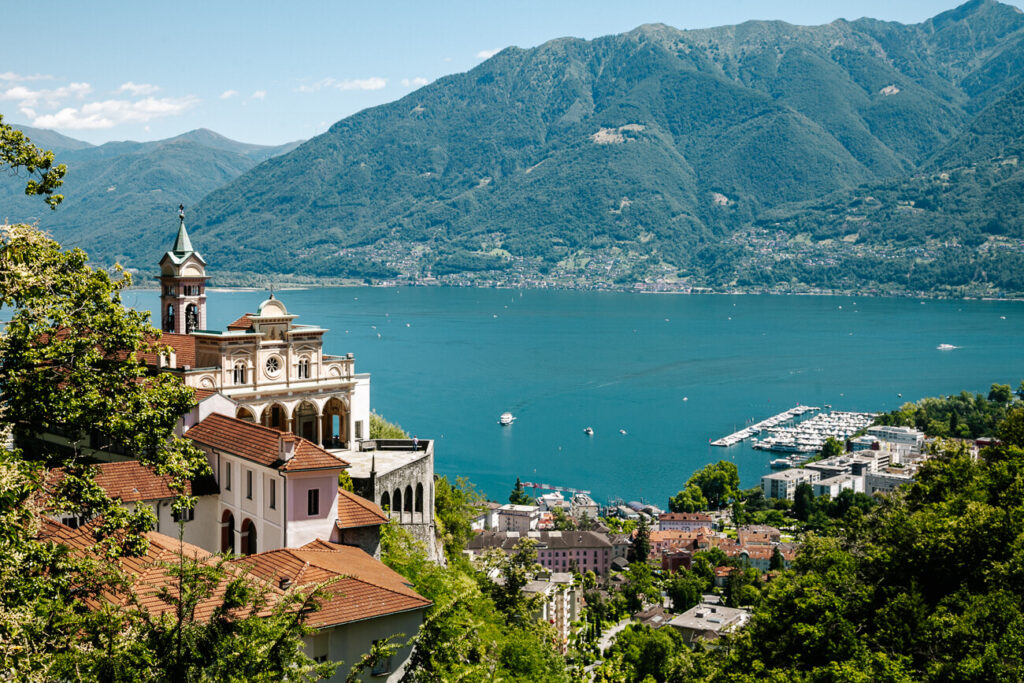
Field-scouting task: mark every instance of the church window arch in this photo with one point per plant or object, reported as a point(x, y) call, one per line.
point(238, 377)
point(191, 318)
point(303, 369)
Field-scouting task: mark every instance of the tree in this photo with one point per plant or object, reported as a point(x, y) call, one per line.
point(519, 496)
point(690, 499)
point(71, 362)
point(717, 481)
point(639, 587)
point(832, 447)
point(382, 429)
point(1000, 393)
point(778, 562)
point(684, 589)
point(17, 152)
point(640, 547)
point(803, 501)
point(562, 521)
point(455, 506)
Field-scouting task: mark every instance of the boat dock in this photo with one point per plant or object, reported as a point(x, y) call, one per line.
point(753, 429)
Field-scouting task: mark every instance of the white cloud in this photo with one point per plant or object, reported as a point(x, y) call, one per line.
point(372, 83)
point(414, 82)
point(26, 97)
point(258, 95)
point(20, 78)
point(487, 54)
point(110, 113)
point(137, 89)
point(228, 94)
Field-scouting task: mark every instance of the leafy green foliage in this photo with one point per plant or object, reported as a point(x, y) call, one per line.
point(519, 496)
point(690, 499)
point(17, 152)
point(962, 415)
point(924, 588)
point(717, 482)
point(465, 636)
point(640, 546)
point(455, 505)
point(382, 429)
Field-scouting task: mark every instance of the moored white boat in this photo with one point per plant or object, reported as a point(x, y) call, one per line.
point(506, 419)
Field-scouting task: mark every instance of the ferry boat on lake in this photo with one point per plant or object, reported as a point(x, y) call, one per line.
point(506, 419)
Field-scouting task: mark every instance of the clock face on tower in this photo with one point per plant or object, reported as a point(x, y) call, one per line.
point(273, 365)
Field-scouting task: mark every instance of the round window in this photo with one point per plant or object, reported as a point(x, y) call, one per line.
point(273, 365)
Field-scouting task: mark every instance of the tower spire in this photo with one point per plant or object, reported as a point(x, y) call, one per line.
point(182, 245)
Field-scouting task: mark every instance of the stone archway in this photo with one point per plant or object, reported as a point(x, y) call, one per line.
point(407, 510)
point(306, 421)
point(227, 532)
point(418, 507)
point(244, 413)
point(334, 424)
point(385, 501)
point(276, 417)
point(396, 503)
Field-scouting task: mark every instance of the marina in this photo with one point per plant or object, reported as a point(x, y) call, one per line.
point(809, 436)
point(775, 420)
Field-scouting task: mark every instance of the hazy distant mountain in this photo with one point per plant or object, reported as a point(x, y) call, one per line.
point(120, 195)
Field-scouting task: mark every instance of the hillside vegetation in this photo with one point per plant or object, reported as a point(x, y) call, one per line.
point(858, 154)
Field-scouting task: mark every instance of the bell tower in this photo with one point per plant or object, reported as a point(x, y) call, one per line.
point(183, 285)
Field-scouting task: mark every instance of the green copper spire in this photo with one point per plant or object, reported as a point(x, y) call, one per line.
point(182, 245)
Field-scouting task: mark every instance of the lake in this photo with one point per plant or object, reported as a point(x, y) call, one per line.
point(673, 371)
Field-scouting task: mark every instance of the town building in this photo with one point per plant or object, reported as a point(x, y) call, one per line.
point(521, 518)
point(684, 521)
point(905, 436)
point(783, 484)
point(708, 622)
point(560, 605)
point(885, 482)
point(558, 551)
point(833, 485)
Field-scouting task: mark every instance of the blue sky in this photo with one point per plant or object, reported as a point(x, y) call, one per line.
point(270, 72)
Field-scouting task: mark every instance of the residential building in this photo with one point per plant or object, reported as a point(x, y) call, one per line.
point(833, 485)
point(906, 436)
point(783, 484)
point(885, 482)
point(521, 518)
point(709, 622)
point(561, 603)
point(559, 551)
point(584, 505)
point(684, 521)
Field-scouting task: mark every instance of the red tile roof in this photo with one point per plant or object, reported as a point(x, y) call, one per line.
point(261, 445)
point(362, 587)
point(131, 482)
point(243, 323)
point(356, 511)
point(203, 394)
point(684, 517)
point(184, 346)
point(151, 573)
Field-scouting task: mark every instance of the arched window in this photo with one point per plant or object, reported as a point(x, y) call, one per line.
point(239, 374)
point(303, 368)
point(419, 497)
point(248, 537)
point(408, 499)
point(169, 321)
point(227, 532)
point(396, 501)
point(385, 501)
point(191, 318)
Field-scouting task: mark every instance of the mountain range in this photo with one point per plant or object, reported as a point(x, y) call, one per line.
point(855, 155)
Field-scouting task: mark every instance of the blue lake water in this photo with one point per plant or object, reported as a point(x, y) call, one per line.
point(448, 362)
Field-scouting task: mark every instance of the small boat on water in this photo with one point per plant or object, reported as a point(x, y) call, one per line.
point(945, 347)
point(506, 419)
point(588, 431)
point(622, 431)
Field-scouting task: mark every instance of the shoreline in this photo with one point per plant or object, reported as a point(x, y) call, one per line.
point(630, 289)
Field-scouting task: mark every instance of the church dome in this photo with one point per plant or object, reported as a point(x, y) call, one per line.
point(271, 308)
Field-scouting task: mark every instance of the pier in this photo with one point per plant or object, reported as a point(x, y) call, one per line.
point(775, 420)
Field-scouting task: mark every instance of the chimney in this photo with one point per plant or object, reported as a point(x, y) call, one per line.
point(287, 444)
